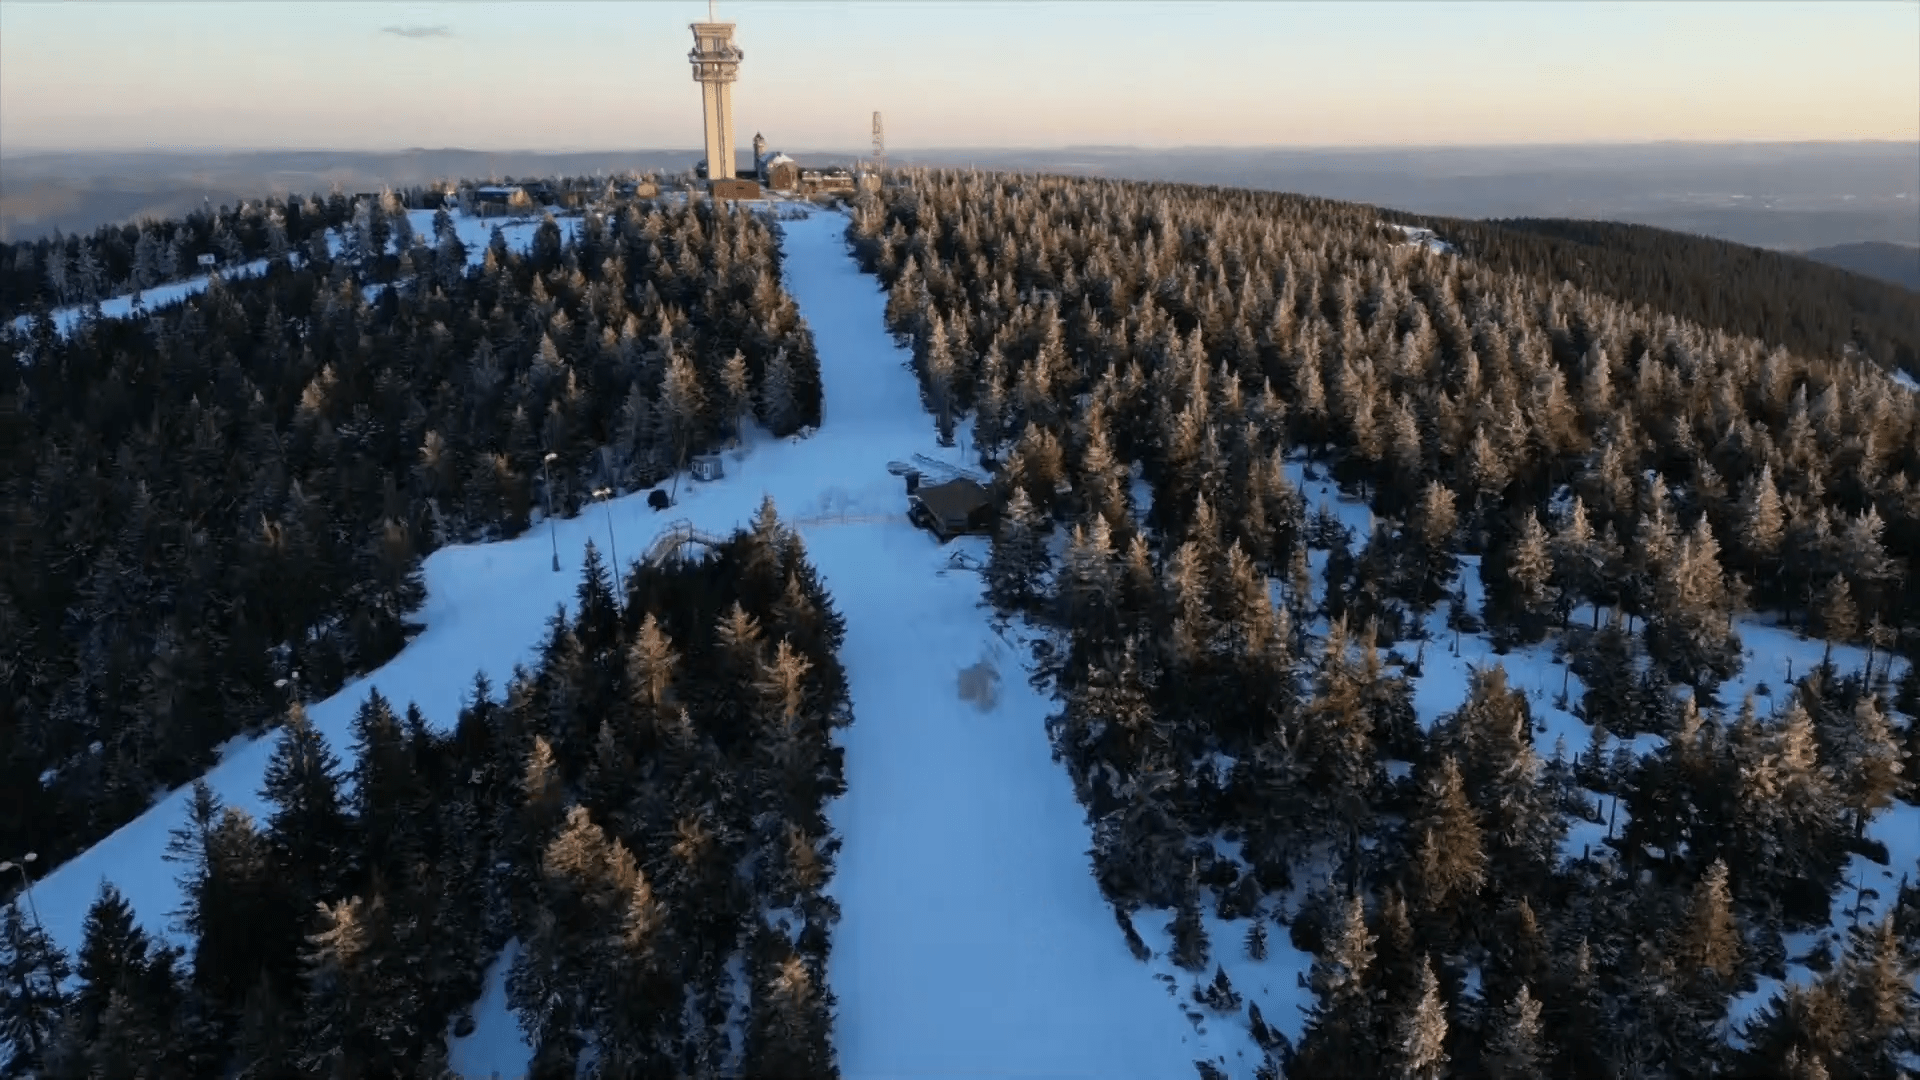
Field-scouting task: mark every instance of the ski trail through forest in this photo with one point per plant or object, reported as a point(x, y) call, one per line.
point(973, 940)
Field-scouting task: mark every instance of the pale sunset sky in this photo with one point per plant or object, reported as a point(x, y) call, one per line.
point(954, 73)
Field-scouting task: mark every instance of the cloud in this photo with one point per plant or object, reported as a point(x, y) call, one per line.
point(438, 30)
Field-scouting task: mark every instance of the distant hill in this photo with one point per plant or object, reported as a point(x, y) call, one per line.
point(1807, 306)
point(1897, 263)
point(1786, 196)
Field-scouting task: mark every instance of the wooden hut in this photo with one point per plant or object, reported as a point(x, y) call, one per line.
point(956, 507)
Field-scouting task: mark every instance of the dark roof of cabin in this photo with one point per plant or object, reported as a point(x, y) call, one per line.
point(955, 499)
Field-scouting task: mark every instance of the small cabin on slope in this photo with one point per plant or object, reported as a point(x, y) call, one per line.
point(957, 507)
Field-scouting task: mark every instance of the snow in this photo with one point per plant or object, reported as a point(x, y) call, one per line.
point(1866, 894)
point(1141, 491)
point(1274, 984)
point(974, 940)
point(496, 1045)
point(1422, 238)
point(1900, 376)
point(120, 307)
point(475, 232)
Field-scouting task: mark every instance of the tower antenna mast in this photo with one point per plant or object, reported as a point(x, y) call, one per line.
point(879, 143)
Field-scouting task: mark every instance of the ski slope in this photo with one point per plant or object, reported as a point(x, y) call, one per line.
point(974, 941)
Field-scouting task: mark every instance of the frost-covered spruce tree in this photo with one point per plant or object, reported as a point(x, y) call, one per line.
point(1339, 1038)
point(1530, 576)
point(1018, 569)
point(779, 406)
point(1418, 1051)
point(1515, 1047)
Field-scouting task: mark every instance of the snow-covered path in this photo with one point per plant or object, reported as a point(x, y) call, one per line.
point(974, 942)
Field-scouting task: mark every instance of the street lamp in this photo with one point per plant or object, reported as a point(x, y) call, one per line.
point(26, 886)
point(603, 494)
point(547, 472)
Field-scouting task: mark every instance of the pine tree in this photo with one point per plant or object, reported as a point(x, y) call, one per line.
point(1689, 624)
point(1514, 1050)
point(1839, 619)
point(1190, 949)
point(683, 404)
point(1432, 562)
point(779, 396)
point(1257, 938)
point(1868, 768)
point(1708, 943)
point(360, 1003)
point(787, 1029)
point(1576, 562)
point(650, 670)
point(1220, 996)
point(1449, 861)
point(1492, 737)
point(113, 959)
point(1015, 573)
point(1339, 1038)
point(1530, 573)
point(187, 847)
point(384, 784)
point(1877, 979)
point(32, 969)
point(309, 827)
point(1418, 1051)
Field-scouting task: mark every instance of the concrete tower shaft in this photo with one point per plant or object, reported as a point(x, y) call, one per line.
point(716, 64)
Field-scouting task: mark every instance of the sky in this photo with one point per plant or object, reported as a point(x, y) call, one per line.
point(954, 73)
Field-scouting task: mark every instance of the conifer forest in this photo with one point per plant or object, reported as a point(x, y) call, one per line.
point(1414, 606)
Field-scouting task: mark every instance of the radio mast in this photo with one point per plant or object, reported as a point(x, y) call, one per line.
point(879, 143)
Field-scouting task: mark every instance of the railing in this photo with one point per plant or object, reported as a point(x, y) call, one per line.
point(676, 536)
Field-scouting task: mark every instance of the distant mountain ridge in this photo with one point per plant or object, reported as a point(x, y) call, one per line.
point(1898, 264)
point(1786, 196)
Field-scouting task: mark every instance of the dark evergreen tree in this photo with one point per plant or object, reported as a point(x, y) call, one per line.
point(32, 971)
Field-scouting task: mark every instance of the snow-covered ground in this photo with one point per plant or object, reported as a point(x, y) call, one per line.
point(120, 307)
point(495, 1047)
point(477, 232)
point(1422, 238)
point(1772, 656)
point(474, 232)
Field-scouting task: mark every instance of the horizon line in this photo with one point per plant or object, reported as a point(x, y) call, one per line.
point(42, 151)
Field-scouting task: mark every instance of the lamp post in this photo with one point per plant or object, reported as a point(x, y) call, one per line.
point(546, 471)
point(26, 886)
point(613, 549)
